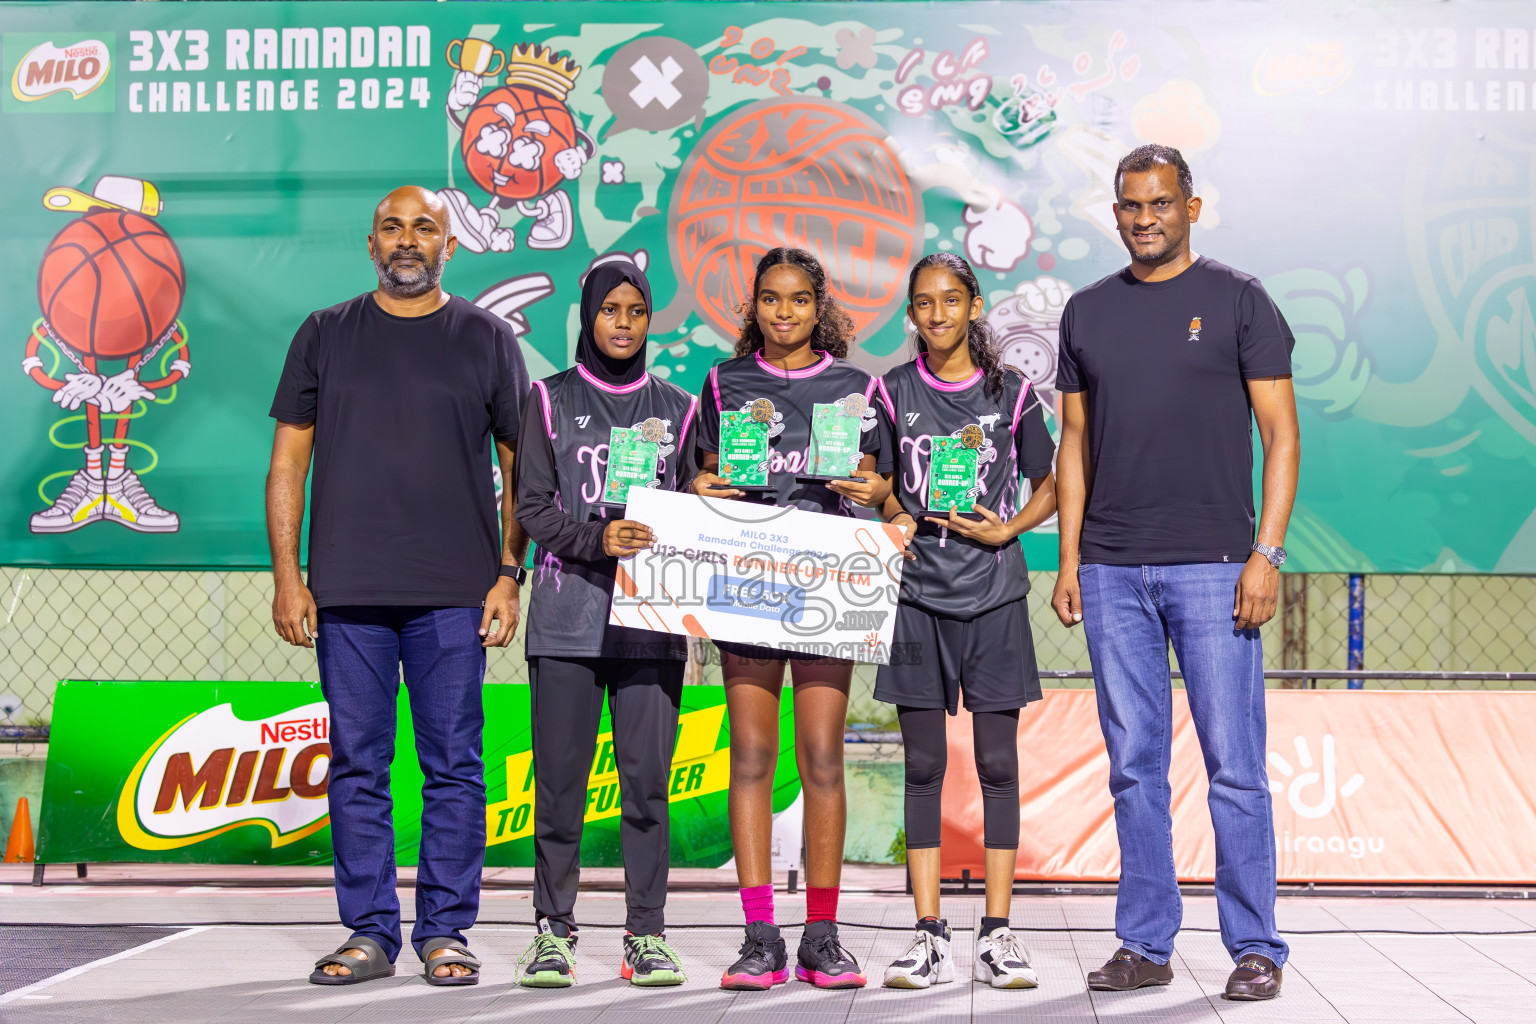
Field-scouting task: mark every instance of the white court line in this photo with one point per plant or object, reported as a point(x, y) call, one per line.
point(75, 972)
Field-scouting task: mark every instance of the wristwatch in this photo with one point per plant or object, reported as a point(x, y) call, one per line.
point(1275, 555)
point(516, 573)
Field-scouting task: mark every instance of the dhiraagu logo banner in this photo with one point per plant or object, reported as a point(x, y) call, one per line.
point(236, 773)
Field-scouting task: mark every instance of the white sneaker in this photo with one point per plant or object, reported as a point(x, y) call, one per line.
point(130, 504)
point(81, 503)
point(1003, 962)
point(554, 221)
point(926, 963)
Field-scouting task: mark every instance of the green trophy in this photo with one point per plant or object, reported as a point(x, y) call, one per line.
point(835, 430)
point(952, 475)
point(744, 445)
point(631, 460)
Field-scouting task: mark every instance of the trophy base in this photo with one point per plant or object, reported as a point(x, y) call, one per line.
point(974, 517)
point(750, 488)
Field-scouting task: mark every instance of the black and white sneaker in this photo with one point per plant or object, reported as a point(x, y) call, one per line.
point(926, 963)
point(1003, 962)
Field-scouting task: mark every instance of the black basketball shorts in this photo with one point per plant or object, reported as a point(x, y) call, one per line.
point(989, 660)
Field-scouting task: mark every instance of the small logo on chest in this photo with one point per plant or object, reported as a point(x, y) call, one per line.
point(911, 418)
point(582, 421)
point(1194, 329)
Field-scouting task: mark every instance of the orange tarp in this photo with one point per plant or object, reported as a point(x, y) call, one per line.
point(1368, 786)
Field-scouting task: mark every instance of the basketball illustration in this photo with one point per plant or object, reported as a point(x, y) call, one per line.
point(971, 436)
point(653, 429)
point(111, 284)
point(109, 287)
point(798, 171)
point(519, 142)
point(855, 405)
point(762, 410)
point(520, 167)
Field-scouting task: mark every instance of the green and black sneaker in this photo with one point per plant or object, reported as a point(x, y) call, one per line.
point(550, 958)
point(648, 960)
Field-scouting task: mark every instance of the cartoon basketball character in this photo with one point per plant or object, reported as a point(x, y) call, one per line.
point(110, 287)
point(519, 142)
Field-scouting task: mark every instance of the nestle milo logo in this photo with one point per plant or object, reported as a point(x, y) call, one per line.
point(295, 730)
point(78, 68)
point(213, 772)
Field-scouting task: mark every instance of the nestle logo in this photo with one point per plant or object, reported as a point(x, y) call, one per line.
point(295, 729)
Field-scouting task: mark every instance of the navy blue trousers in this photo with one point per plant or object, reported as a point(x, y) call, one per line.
point(361, 653)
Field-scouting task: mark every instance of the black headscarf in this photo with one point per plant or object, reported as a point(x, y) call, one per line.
point(601, 280)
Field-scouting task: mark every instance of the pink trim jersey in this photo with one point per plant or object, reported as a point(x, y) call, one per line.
point(561, 465)
point(955, 577)
point(740, 383)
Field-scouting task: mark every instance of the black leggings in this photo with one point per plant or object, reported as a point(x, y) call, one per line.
point(995, 734)
point(566, 697)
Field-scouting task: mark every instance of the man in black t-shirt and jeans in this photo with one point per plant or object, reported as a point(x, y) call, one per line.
point(1161, 365)
point(399, 395)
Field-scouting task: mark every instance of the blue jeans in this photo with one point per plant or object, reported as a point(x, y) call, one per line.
point(361, 651)
point(1130, 613)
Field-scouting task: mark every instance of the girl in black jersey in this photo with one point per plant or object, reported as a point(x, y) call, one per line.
point(575, 658)
point(965, 430)
point(790, 356)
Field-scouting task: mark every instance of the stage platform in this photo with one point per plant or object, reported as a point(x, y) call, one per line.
point(221, 945)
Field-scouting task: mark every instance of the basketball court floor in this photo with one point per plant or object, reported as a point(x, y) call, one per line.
point(233, 946)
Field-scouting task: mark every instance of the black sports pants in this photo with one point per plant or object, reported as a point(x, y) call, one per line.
point(995, 734)
point(567, 698)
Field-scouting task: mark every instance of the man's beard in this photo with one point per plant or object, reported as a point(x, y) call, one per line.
point(407, 282)
point(1157, 255)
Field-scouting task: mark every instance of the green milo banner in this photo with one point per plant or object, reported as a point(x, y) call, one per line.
point(186, 182)
point(236, 773)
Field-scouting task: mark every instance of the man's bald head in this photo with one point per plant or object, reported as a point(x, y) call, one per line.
point(412, 201)
point(412, 238)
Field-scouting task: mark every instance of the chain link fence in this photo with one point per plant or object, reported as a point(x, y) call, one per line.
point(113, 624)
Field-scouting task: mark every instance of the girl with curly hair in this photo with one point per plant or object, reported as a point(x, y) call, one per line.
point(791, 355)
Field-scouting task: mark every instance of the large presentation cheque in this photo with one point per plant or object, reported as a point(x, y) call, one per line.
point(757, 574)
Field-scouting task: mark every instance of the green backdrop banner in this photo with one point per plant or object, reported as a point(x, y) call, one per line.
point(236, 773)
point(188, 181)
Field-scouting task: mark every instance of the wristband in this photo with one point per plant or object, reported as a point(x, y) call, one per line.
point(516, 573)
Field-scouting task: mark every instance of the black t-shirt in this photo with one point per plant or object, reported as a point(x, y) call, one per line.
point(737, 383)
point(954, 576)
point(402, 503)
point(1170, 430)
point(561, 465)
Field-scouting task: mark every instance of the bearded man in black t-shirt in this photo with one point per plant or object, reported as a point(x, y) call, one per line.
point(1161, 366)
point(399, 396)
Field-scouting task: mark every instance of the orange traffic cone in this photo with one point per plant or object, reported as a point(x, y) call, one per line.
point(18, 849)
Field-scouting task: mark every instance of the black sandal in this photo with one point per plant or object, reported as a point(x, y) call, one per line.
point(376, 966)
point(457, 954)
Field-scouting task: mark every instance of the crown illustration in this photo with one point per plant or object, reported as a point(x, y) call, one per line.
point(540, 67)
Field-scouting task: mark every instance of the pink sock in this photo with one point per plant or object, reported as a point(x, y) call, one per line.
point(821, 903)
point(757, 903)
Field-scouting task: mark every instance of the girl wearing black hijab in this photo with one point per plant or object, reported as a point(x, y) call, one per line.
point(575, 658)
